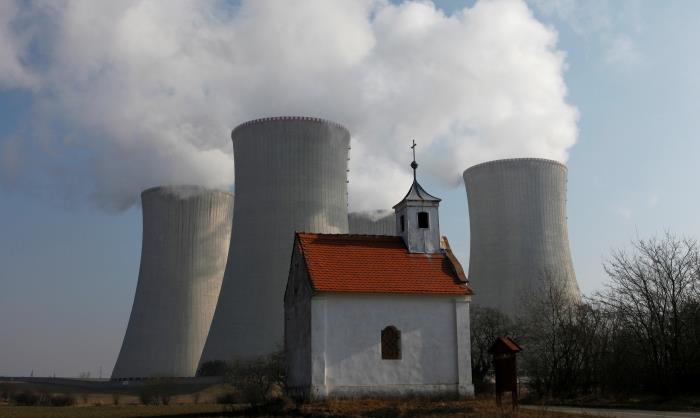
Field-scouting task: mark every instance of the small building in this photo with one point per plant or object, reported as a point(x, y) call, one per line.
point(369, 315)
point(504, 351)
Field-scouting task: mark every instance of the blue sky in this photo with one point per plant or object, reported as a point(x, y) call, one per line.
point(69, 261)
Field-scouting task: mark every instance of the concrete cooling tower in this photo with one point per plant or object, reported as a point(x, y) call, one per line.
point(291, 175)
point(376, 222)
point(186, 234)
point(517, 218)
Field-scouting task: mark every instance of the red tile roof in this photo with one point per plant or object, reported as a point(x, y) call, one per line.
point(375, 264)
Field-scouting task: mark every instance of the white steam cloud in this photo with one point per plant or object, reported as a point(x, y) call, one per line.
point(13, 44)
point(147, 92)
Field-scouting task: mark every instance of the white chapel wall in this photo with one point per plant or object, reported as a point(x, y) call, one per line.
point(353, 326)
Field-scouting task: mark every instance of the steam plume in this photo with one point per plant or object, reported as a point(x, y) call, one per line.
point(133, 94)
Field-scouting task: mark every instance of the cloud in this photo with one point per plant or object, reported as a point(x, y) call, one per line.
point(139, 93)
point(13, 46)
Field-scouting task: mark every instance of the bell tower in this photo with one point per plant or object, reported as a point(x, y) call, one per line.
point(417, 220)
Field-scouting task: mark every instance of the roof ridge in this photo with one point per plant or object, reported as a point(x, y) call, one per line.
point(341, 236)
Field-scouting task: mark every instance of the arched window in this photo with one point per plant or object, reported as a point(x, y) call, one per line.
point(391, 343)
point(423, 220)
point(403, 223)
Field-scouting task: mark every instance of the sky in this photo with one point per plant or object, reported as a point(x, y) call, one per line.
point(100, 100)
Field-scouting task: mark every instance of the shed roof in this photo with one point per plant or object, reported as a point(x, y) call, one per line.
point(376, 264)
point(504, 345)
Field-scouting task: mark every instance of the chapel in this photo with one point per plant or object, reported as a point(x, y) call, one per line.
point(372, 315)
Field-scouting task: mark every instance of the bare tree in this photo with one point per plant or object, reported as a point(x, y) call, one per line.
point(640, 335)
point(486, 325)
point(561, 339)
point(654, 290)
point(256, 378)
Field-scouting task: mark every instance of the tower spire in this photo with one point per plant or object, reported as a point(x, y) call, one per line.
point(414, 164)
point(417, 216)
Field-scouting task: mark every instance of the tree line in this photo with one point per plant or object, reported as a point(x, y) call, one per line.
point(640, 335)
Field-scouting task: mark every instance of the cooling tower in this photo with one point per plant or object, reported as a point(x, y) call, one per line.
point(517, 218)
point(291, 175)
point(376, 222)
point(186, 234)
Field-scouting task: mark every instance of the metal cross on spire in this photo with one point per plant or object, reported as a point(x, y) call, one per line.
point(414, 164)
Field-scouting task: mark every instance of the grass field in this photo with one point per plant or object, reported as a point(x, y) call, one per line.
point(200, 401)
point(484, 407)
point(111, 411)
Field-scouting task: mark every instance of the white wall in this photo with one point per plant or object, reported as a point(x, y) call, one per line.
point(297, 326)
point(419, 240)
point(346, 332)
